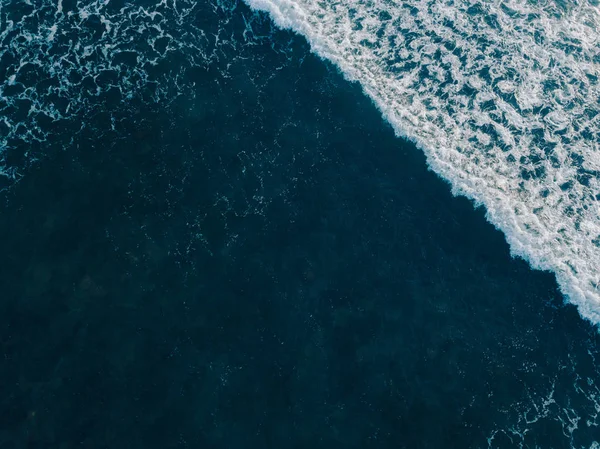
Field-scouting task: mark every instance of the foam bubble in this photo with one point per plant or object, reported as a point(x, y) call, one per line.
point(503, 98)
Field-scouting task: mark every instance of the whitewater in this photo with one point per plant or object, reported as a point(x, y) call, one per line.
point(503, 98)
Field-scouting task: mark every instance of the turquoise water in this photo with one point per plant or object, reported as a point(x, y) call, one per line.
point(221, 243)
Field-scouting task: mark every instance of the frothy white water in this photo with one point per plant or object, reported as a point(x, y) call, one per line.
point(504, 99)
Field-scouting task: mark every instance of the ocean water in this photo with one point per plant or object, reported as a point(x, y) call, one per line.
point(211, 237)
point(504, 99)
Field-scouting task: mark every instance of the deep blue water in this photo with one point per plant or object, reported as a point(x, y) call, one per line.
point(253, 259)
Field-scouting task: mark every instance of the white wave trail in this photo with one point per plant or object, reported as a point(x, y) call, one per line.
point(503, 98)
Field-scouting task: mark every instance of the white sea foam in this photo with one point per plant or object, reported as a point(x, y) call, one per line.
point(503, 98)
point(53, 57)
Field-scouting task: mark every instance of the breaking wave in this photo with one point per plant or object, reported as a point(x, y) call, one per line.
point(503, 98)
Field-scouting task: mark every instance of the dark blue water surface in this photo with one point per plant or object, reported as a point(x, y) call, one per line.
point(253, 259)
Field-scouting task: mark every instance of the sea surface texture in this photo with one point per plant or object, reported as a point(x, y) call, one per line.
point(504, 97)
point(211, 238)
